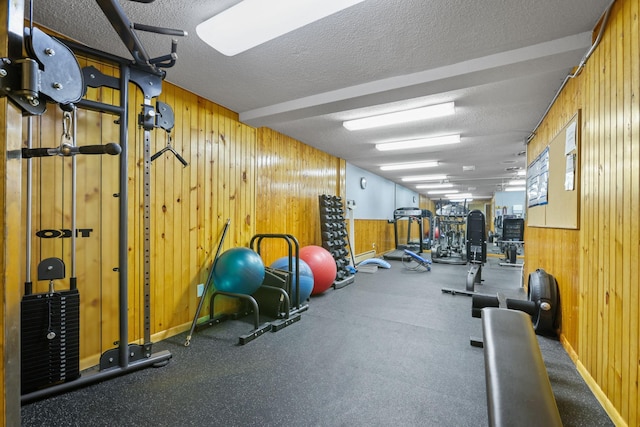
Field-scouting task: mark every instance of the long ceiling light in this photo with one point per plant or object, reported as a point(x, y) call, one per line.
point(418, 143)
point(448, 192)
point(402, 166)
point(460, 196)
point(515, 189)
point(434, 186)
point(253, 22)
point(424, 178)
point(398, 117)
point(517, 182)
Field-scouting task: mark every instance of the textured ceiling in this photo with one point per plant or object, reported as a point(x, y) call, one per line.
point(500, 61)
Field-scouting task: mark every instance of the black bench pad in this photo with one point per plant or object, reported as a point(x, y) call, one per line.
point(518, 389)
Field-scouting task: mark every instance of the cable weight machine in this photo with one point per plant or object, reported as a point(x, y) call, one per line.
point(448, 245)
point(52, 75)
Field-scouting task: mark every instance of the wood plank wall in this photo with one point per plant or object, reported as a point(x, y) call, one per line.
point(597, 265)
point(374, 235)
point(291, 176)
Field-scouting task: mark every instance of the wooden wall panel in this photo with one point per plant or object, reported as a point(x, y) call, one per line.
point(597, 265)
point(373, 234)
point(290, 177)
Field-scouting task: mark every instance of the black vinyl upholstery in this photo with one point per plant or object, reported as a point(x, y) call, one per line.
point(518, 389)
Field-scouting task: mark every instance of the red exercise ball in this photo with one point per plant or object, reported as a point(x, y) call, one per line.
point(322, 265)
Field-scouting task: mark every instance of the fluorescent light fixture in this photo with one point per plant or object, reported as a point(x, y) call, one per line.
point(515, 189)
point(418, 143)
point(424, 178)
point(521, 173)
point(517, 182)
point(461, 196)
point(434, 186)
point(398, 117)
point(253, 22)
point(461, 200)
point(401, 166)
point(442, 191)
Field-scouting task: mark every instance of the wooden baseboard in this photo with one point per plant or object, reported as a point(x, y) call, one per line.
point(365, 255)
point(615, 416)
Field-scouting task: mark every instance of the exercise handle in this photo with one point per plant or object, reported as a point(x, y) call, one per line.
point(28, 153)
point(67, 150)
point(160, 30)
point(111, 148)
point(181, 160)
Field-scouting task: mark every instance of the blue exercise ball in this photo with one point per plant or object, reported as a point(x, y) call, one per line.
point(238, 270)
point(306, 277)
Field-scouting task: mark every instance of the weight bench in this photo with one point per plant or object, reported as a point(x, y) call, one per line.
point(413, 258)
point(518, 389)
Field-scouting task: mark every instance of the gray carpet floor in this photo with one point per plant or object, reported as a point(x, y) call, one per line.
point(389, 349)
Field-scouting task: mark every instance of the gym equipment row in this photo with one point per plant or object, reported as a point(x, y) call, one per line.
point(51, 74)
point(335, 238)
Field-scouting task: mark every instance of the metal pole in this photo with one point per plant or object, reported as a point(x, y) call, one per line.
point(123, 241)
point(146, 214)
point(208, 284)
point(28, 283)
point(73, 278)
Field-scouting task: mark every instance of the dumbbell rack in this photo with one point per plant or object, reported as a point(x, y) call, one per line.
point(334, 237)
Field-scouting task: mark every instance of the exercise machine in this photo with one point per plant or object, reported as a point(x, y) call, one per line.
point(512, 240)
point(413, 261)
point(476, 247)
point(51, 74)
point(410, 216)
point(50, 321)
point(448, 244)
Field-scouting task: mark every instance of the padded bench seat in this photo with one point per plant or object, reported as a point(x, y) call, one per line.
point(518, 389)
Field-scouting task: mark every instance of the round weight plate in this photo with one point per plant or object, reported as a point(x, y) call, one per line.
point(543, 288)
